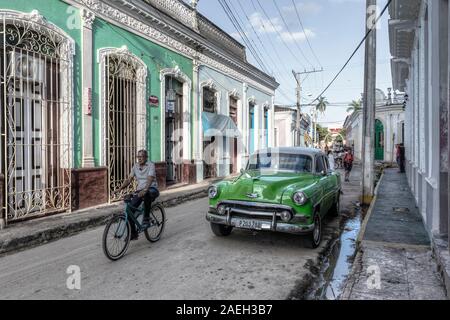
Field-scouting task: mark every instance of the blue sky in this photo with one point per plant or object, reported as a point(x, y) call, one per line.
point(334, 28)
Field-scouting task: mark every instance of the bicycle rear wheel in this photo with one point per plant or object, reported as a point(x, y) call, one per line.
point(116, 237)
point(157, 220)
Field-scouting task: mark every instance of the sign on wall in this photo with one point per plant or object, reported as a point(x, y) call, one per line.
point(153, 101)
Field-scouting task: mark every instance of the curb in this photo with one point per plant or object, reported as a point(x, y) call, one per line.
point(97, 216)
point(442, 258)
point(362, 231)
point(355, 269)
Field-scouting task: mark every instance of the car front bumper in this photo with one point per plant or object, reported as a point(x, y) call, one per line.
point(265, 225)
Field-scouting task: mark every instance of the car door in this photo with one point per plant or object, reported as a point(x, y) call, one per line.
point(333, 180)
point(323, 184)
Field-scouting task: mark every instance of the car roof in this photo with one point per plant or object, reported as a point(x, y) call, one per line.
point(292, 150)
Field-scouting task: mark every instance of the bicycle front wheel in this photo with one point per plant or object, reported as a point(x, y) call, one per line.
point(157, 222)
point(116, 237)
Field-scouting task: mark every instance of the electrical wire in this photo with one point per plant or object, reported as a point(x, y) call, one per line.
point(241, 32)
point(354, 52)
point(260, 41)
point(304, 31)
point(278, 32)
point(291, 34)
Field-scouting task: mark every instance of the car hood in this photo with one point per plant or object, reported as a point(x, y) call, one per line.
point(267, 187)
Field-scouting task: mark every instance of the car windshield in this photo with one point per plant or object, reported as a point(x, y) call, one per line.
point(280, 162)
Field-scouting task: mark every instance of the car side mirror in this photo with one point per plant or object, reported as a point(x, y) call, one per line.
point(323, 173)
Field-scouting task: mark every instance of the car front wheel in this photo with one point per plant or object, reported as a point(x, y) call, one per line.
point(221, 230)
point(315, 237)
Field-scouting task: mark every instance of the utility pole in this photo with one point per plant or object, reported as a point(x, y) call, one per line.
point(299, 115)
point(370, 69)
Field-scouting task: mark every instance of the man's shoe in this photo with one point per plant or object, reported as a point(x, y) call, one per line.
point(134, 236)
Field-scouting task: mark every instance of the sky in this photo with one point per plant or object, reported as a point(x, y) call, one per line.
point(333, 27)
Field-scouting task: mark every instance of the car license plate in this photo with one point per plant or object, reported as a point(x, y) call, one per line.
point(250, 224)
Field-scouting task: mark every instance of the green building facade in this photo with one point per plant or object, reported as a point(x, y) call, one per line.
point(86, 84)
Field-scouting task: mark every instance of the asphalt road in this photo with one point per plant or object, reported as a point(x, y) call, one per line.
point(189, 262)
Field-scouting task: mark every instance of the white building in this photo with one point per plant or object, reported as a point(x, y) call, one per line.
point(389, 126)
point(419, 44)
point(284, 127)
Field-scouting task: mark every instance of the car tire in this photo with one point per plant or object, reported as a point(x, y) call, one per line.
point(336, 207)
point(315, 237)
point(221, 230)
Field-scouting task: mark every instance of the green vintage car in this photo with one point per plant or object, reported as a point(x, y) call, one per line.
point(282, 189)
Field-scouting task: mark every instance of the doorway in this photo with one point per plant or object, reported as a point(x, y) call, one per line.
point(173, 128)
point(209, 143)
point(233, 141)
point(379, 140)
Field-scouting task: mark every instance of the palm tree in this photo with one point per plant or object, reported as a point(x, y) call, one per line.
point(321, 106)
point(354, 106)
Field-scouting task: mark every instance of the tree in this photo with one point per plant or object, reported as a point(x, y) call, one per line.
point(323, 132)
point(322, 104)
point(354, 106)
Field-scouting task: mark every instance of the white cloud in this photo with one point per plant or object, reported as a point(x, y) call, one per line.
point(304, 8)
point(237, 36)
point(297, 36)
point(262, 25)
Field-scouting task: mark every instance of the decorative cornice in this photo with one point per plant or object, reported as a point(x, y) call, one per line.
point(234, 93)
point(209, 84)
point(102, 9)
point(87, 17)
point(177, 74)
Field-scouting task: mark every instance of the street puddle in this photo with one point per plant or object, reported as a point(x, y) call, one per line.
point(338, 263)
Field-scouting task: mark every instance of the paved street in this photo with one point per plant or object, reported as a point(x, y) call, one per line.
point(189, 262)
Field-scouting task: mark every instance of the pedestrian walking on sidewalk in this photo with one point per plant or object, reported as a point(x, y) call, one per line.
point(397, 154)
point(401, 148)
point(331, 159)
point(348, 164)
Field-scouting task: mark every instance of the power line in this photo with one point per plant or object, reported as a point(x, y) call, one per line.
point(259, 39)
point(278, 32)
point(241, 32)
point(282, 74)
point(291, 34)
point(235, 13)
point(304, 31)
point(354, 52)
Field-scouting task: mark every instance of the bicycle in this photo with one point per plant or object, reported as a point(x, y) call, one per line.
point(119, 228)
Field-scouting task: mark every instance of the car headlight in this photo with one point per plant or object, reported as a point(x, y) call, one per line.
point(212, 192)
point(299, 198)
point(221, 209)
point(285, 216)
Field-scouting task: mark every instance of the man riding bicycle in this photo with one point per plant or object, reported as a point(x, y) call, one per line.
point(147, 189)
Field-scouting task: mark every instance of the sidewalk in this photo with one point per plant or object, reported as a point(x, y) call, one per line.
point(394, 244)
point(38, 231)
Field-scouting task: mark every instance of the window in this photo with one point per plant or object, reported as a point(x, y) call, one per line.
point(209, 100)
point(327, 163)
point(320, 164)
point(280, 162)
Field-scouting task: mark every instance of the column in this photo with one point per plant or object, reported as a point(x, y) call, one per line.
point(197, 147)
point(87, 18)
point(443, 48)
point(245, 124)
point(448, 140)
